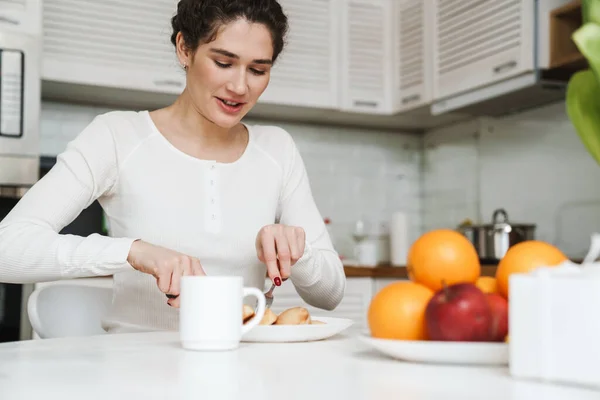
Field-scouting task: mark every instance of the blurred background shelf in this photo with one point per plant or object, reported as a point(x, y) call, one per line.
point(564, 21)
point(399, 272)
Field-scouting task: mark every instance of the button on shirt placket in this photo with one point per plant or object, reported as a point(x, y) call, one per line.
point(213, 215)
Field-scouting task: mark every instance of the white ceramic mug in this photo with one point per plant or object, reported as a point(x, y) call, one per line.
point(210, 314)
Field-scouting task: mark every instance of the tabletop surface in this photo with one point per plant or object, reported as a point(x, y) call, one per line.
point(154, 366)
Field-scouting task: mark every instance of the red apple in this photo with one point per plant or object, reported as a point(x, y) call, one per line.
point(459, 312)
point(499, 325)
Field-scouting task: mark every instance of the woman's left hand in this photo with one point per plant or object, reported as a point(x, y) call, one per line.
point(280, 247)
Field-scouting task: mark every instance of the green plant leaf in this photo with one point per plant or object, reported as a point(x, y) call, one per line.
point(583, 108)
point(587, 39)
point(590, 11)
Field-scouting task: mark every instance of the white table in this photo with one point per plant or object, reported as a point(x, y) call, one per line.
point(154, 366)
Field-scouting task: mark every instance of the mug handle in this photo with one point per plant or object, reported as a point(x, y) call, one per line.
point(260, 310)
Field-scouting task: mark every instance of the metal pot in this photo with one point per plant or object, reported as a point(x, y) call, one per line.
point(493, 240)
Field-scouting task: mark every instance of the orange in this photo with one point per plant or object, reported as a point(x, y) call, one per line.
point(398, 311)
point(524, 257)
point(443, 255)
point(487, 284)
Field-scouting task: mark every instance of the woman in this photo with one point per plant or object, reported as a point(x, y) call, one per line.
point(187, 189)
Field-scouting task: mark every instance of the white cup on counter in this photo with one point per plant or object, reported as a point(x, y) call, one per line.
point(210, 315)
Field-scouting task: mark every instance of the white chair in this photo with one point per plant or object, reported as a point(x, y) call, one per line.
point(66, 310)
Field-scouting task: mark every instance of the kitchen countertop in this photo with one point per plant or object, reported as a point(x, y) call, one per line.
point(488, 268)
point(154, 366)
point(400, 272)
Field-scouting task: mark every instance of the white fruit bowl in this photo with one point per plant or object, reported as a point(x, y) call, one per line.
point(438, 352)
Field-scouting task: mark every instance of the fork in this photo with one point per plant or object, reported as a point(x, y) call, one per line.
point(269, 295)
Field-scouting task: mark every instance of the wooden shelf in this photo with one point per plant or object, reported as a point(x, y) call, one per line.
point(564, 53)
point(385, 271)
point(488, 268)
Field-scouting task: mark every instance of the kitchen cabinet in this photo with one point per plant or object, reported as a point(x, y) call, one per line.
point(380, 283)
point(305, 74)
point(360, 62)
point(112, 49)
point(367, 63)
point(414, 55)
point(21, 15)
point(477, 43)
point(111, 44)
point(386, 55)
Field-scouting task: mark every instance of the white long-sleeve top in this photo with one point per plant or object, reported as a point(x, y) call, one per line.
point(152, 191)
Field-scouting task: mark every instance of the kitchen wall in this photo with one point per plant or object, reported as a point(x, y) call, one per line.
point(354, 173)
point(532, 164)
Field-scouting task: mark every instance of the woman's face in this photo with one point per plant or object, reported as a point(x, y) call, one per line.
point(226, 76)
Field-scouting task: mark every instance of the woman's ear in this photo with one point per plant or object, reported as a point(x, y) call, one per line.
point(184, 54)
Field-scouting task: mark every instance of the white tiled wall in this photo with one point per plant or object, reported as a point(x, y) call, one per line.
point(450, 176)
point(354, 173)
point(532, 164)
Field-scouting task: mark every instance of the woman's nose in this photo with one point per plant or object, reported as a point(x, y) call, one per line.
point(239, 84)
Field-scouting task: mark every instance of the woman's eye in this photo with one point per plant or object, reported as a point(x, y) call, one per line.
point(257, 71)
point(221, 65)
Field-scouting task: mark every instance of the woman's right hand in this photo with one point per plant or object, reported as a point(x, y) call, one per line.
point(167, 266)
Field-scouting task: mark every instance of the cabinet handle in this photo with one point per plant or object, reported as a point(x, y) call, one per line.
point(168, 82)
point(6, 19)
point(410, 99)
point(502, 67)
point(362, 103)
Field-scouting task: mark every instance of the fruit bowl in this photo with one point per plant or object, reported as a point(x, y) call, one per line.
point(447, 311)
point(440, 352)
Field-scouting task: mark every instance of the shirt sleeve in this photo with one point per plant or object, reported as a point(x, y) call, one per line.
point(318, 275)
point(31, 248)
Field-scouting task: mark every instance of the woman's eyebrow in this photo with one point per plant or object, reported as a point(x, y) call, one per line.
point(232, 55)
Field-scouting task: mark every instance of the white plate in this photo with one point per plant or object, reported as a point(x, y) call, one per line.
point(298, 333)
point(437, 352)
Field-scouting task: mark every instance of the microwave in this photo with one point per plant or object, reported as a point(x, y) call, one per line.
point(20, 105)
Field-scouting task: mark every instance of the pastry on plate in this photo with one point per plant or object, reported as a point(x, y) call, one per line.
point(316, 322)
point(294, 316)
point(269, 318)
point(247, 313)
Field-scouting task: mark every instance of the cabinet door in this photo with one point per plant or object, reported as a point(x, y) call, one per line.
point(480, 42)
point(21, 15)
point(367, 45)
point(305, 74)
point(414, 56)
point(119, 43)
point(380, 283)
point(353, 306)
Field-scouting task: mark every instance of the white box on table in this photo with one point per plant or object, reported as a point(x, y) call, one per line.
point(554, 324)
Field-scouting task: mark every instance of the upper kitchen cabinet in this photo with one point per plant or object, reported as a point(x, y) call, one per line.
point(24, 16)
point(305, 74)
point(367, 56)
point(99, 45)
point(479, 42)
point(386, 55)
point(414, 61)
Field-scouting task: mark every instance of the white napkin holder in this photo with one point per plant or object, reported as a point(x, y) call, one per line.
point(554, 322)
